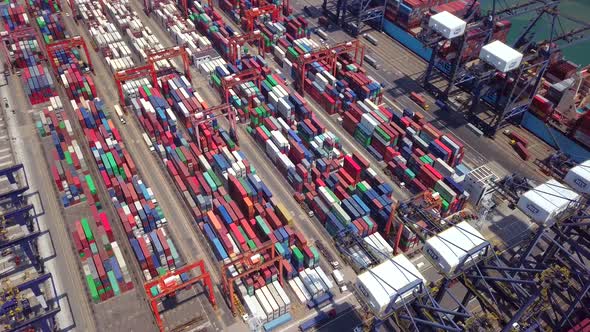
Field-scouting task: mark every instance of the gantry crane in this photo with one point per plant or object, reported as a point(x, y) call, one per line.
point(249, 263)
point(248, 75)
point(133, 74)
point(15, 309)
point(224, 110)
point(168, 284)
point(67, 44)
point(479, 28)
point(171, 53)
point(236, 42)
point(252, 15)
point(351, 14)
point(330, 57)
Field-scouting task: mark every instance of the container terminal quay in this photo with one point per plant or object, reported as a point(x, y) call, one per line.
point(313, 165)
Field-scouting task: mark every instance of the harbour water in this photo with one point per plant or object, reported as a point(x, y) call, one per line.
point(580, 9)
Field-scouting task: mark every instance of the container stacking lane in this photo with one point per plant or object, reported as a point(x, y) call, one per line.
point(180, 221)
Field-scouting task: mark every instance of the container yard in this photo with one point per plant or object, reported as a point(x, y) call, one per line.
point(267, 166)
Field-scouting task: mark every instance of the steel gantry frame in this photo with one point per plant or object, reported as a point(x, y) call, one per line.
point(351, 14)
point(167, 285)
point(133, 74)
point(245, 262)
point(252, 15)
point(330, 55)
point(224, 110)
point(248, 75)
point(421, 313)
point(11, 302)
point(171, 53)
point(238, 41)
point(67, 44)
point(450, 70)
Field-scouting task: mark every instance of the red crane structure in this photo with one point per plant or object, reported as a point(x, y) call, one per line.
point(223, 110)
point(248, 75)
point(237, 41)
point(133, 74)
point(169, 283)
point(13, 37)
point(251, 263)
point(67, 44)
point(424, 200)
point(171, 53)
point(330, 56)
point(251, 15)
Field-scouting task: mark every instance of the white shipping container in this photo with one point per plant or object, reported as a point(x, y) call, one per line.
point(302, 288)
point(283, 295)
point(324, 278)
point(308, 283)
point(271, 301)
point(297, 291)
point(268, 311)
point(277, 298)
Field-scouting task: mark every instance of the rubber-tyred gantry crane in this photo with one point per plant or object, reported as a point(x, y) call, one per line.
point(330, 56)
point(251, 15)
point(169, 283)
point(251, 262)
point(223, 110)
point(237, 41)
point(67, 44)
point(133, 74)
point(248, 75)
point(171, 53)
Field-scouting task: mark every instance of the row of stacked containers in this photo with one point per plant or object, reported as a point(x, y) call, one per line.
point(103, 265)
point(26, 53)
point(104, 268)
point(135, 204)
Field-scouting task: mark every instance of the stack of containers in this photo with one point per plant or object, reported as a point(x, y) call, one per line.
point(210, 23)
point(181, 30)
point(13, 15)
point(105, 36)
point(143, 41)
point(77, 82)
point(138, 210)
point(51, 25)
point(27, 54)
point(68, 166)
point(104, 268)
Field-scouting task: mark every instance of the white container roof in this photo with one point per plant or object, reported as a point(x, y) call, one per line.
point(381, 283)
point(451, 247)
point(544, 202)
point(579, 177)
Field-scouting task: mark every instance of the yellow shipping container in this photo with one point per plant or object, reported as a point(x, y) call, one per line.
point(284, 214)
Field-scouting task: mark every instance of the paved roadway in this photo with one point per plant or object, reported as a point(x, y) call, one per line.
point(60, 260)
point(180, 222)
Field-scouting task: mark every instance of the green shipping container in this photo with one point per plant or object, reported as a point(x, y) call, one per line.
point(410, 174)
point(92, 288)
point(210, 181)
point(93, 248)
point(251, 245)
point(90, 184)
point(68, 158)
point(262, 225)
point(173, 251)
point(87, 230)
point(297, 254)
point(114, 283)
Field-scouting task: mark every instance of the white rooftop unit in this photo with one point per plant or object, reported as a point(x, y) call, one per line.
point(458, 246)
point(578, 177)
point(544, 203)
point(391, 281)
point(501, 56)
point(447, 24)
